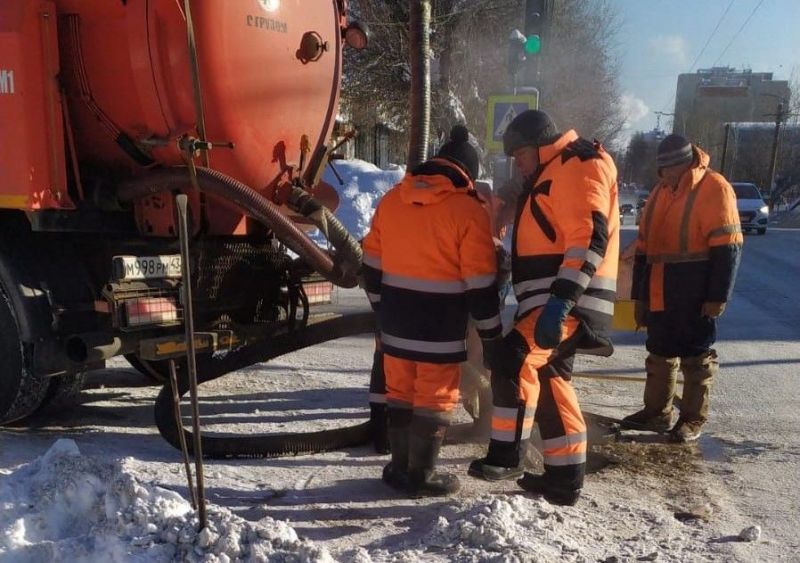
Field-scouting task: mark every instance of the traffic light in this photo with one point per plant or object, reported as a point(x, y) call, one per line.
point(533, 44)
point(535, 11)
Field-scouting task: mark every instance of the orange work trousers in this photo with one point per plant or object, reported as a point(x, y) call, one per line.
point(531, 384)
point(431, 390)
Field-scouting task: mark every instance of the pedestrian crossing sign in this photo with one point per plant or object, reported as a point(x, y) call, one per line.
point(501, 111)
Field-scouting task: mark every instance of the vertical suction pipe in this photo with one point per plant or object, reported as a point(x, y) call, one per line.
point(188, 315)
point(176, 409)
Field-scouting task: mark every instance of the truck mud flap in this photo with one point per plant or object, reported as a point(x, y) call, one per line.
point(269, 445)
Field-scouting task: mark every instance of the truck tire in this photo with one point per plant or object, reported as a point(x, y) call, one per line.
point(63, 390)
point(22, 390)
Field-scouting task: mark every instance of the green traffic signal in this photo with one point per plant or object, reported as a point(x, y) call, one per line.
point(533, 44)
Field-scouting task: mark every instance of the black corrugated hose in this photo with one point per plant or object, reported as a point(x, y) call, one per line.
point(341, 269)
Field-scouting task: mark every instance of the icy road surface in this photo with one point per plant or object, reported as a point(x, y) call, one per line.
point(655, 501)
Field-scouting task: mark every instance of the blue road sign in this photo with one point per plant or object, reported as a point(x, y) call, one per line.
point(501, 111)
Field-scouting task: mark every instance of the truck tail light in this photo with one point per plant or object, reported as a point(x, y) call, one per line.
point(151, 310)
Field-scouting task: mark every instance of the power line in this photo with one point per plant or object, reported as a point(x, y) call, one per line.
point(710, 37)
point(725, 50)
point(703, 50)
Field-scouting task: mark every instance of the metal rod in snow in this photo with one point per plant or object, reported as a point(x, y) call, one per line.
point(176, 404)
point(197, 449)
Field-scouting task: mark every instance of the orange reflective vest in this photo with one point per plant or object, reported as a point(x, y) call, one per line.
point(429, 262)
point(689, 243)
point(566, 235)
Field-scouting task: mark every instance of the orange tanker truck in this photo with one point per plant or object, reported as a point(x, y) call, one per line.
point(108, 109)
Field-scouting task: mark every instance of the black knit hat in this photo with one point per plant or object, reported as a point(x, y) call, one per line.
point(461, 152)
point(674, 150)
point(531, 128)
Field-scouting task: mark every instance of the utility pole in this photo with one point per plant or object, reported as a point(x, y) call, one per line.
point(725, 148)
point(773, 161)
point(420, 95)
point(780, 116)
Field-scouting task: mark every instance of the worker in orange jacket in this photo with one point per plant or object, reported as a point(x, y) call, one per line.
point(687, 256)
point(429, 263)
point(564, 268)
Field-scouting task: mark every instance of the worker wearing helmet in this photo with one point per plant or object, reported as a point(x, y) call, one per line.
point(687, 255)
point(564, 267)
point(429, 263)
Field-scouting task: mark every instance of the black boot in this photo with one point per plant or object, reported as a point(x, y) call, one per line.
point(423, 452)
point(379, 428)
point(395, 474)
point(501, 462)
point(552, 491)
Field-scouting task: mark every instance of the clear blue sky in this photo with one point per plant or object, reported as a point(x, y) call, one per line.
point(660, 39)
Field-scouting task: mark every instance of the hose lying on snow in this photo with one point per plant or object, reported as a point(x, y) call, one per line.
point(268, 445)
point(341, 270)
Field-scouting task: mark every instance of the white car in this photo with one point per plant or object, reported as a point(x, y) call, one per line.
point(753, 211)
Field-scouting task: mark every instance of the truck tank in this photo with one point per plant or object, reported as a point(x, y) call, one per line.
point(269, 74)
point(109, 108)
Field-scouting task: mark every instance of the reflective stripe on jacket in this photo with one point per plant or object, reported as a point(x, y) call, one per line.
point(689, 243)
point(429, 262)
point(566, 236)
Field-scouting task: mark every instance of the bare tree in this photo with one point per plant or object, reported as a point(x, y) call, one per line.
point(640, 161)
point(469, 44)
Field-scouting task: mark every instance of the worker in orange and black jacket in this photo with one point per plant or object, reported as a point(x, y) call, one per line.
point(564, 269)
point(687, 255)
point(429, 263)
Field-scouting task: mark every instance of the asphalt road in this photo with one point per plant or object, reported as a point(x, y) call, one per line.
point(756, 410)
point(751, 445)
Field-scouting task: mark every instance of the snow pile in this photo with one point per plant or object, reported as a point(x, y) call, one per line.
point(518, 528)
point(364, 185)
point(68, 507)
point(507, 528)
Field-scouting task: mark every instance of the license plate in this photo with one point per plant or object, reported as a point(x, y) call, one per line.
point(147, 267)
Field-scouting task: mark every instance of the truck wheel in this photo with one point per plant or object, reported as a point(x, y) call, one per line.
point(157, 372)
point(64, 390)
point(22, 390)
point(761, 231)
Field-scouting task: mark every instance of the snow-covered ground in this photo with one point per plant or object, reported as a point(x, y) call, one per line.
point(97, 483)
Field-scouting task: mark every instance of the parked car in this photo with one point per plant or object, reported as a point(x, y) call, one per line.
point(627, 210)
point(753, 211)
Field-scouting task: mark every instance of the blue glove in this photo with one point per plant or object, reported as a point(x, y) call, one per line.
point(547, 332)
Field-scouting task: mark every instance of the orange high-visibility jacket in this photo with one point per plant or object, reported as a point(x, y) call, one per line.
point(689, 243)
point(566, 235)
point(429, 261)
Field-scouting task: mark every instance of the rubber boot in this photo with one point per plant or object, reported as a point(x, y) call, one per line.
point(377, 406)
point(662, 380)
point(659, 389)
point(488, 471)
point(395, 474)
point(379, 427)
point(552, 491)
point(423, 452)
point(698, 374)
